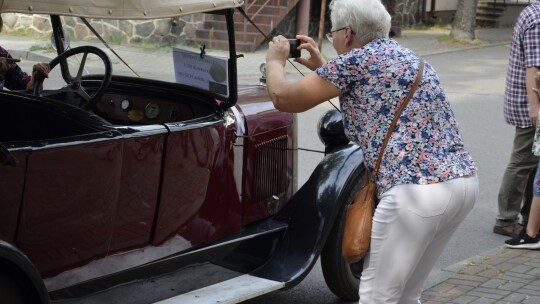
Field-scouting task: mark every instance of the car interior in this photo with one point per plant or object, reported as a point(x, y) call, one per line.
point(127, 101)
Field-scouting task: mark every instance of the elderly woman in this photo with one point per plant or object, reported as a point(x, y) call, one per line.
point(427, 182)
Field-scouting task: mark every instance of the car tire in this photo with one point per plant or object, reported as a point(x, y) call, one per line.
point(12, 292)
point(342, 279)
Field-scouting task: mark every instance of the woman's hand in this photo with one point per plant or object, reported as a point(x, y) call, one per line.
point(7, 63)
point(40, 70)
point(315, 60)
point(301, 95)
point(278, 50)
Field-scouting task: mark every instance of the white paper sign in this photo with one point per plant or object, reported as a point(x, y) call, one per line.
point(208, 73)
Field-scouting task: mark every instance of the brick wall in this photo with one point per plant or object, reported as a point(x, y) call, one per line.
point(171, 31)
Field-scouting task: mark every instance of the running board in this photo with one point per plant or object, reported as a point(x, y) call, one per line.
point(235, 290)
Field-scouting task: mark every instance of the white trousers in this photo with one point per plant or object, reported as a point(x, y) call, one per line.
point(411, 227)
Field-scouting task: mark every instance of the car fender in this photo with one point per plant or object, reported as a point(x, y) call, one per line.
point(10, 255)
point(311, 214)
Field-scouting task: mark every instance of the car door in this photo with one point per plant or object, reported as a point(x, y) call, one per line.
point(11, 193)
point(199, 199)
point(89, 204)
point(70, 199)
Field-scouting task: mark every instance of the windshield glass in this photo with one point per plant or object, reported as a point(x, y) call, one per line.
point(190, 49)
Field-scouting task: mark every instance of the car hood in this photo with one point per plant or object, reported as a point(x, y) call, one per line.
point(116, 9)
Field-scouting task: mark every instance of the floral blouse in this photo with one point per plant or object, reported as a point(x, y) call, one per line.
point(426, 146)
point(15, 78)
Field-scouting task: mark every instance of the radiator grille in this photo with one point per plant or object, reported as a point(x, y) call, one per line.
point(270, 169)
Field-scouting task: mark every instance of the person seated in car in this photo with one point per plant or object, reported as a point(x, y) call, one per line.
point(13, 77)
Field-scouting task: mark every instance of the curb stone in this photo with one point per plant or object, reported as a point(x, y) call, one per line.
point(30, 56)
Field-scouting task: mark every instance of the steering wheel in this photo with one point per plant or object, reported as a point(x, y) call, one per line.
point(74, 85)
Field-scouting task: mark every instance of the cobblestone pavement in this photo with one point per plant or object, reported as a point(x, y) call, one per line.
point(501, 276)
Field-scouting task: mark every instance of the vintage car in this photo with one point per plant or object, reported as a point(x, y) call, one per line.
point(179, 185)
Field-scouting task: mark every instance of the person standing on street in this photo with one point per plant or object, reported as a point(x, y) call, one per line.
point(521, 107)
point(529, 238)
point(427, 183)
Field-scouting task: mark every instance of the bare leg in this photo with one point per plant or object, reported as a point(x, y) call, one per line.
point(534, 217)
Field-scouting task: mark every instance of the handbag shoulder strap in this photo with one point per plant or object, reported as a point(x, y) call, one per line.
point(398, 114)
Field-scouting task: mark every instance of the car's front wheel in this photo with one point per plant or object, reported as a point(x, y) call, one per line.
point(11, 292)
point(342, 278)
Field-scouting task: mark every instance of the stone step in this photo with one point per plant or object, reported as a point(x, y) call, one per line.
point(487, 15)
point(487, 22)
point(489, 12)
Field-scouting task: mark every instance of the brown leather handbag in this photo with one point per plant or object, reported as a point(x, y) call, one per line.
point(357, 231)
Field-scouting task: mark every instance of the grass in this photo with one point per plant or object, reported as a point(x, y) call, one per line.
point(46, 48)
point(431, 27)
point(448, 39)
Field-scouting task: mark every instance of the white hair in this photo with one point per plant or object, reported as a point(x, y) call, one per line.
point(368, 19)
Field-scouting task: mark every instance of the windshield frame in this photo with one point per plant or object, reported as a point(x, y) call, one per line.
point(226, 102)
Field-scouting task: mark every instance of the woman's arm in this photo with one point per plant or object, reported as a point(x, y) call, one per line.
point(15, 78)
point(534, 100)
point(297, 96)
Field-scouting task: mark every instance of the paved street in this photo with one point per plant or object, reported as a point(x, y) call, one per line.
point(475, 268)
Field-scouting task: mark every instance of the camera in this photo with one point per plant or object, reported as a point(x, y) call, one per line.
point(294, 52)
